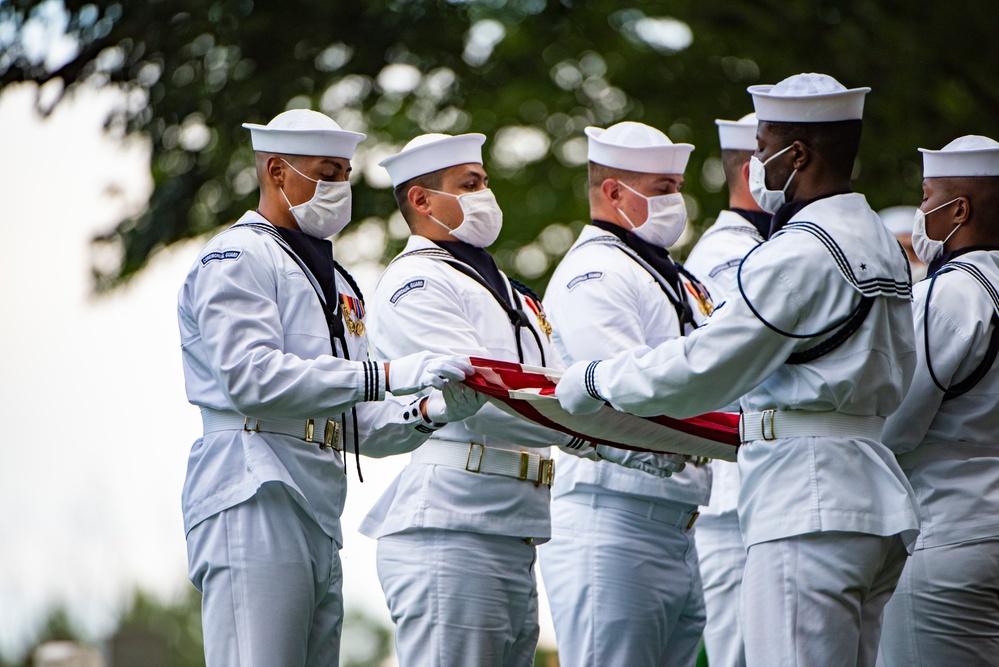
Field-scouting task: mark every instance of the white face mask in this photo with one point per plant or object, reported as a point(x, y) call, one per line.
point(327, 212)
point(666, 220)
point(768, 200)
point(482, 219)
point(926, 248)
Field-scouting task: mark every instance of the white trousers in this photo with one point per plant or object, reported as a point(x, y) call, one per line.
point(818, 599)
point(460, 599)
point(722, 556)
point(624, 588)
point(271, 584)
point(945, 610)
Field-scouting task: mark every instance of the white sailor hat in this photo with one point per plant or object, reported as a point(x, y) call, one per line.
point(303, 132)
point(898, 219)
point(430, 152)
point(808, 98)
point(636, 147)
point(738, 135)
point(971, 155)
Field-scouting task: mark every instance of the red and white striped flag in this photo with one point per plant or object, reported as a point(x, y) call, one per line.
point(529, 392)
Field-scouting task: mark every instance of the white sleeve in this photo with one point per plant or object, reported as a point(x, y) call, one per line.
point(391, 427)
point(235, 308)
point(949, 347)
point(433, 318)
point(730, 354)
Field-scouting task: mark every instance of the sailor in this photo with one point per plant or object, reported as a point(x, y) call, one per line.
point(457, 528)
point(715, 259)
point(621, 569)
point(274, 354)
point(819, 346)
point(945, 610)
point(898, 220)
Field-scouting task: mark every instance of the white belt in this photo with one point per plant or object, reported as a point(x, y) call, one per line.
point(322, 431)
point(477, 458)
point(779, 424)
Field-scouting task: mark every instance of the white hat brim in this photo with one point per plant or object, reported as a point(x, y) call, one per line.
point(815, 108)
point(426, 158)
point(671, 159)
point(322, 143)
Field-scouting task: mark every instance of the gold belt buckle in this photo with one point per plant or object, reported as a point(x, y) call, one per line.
point(693, 520)
point(310, 429)
point(246, 425)
point(525, 463)
point(331, 439)
point(546, 472)
point(767, 416)
point(482, 454)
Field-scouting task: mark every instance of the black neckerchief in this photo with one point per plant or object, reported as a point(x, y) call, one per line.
point(318, 256)
point(791, 208)
point(759, 219)
point(480, 260)
point(658, 258)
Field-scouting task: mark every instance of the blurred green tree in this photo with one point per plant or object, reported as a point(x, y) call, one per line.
point(530, 74)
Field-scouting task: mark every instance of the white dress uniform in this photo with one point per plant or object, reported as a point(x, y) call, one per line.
point(621, 569)
point(945, 610)
point(812, 466)
point(259, 362)
point(715, 261)
point(455, 548)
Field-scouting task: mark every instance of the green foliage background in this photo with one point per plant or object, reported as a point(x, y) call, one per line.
point(196, 70)
point(193, 71)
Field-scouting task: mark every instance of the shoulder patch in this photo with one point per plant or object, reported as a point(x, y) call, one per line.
point(419, 283)
point(220, 255)
point(590, 275)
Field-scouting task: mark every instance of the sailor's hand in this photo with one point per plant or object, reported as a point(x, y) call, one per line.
point(658, 464)
point(410, 374)
point(577, 390)
point(453, 403)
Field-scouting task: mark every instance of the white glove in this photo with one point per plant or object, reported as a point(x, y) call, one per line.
point(410, 374)
point(660, 465)
point(577, 390)
point(453, 403)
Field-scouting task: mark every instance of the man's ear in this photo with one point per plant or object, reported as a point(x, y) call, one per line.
point(802, 154)
point(418, 201)
point(275, 170)
point(962, 210)
point(611, 190)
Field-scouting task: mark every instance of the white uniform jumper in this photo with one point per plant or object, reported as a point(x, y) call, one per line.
point(257, 360)
point(455, 551)
point(715, 260)
point(621, 570)
point(946, 608)
point(821, 497)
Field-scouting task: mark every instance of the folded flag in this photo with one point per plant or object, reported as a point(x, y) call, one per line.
point(529, 392)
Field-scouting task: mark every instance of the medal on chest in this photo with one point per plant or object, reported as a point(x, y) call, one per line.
point(701, 296)
point(539, 312)
point(353, 314)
